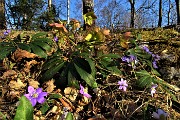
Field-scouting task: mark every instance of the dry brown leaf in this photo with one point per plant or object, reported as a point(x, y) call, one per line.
point(66, 104)
point(96, 29)
point(105, 31)
point(16, 84)
point(76, 23)
point(96, 118)
point(20, 54)
point(50, 86)
point(9, 73)
point(58, 26)
point(124, 44)
point(71, 93)
point(127, 35)
point(84, 101)
point(33, 83)
point(29, 64)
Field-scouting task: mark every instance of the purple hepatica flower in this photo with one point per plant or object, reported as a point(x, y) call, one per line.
point(35, 96)
point(7, 32)
point(82, 91)
point(145, 48)
point(154, 64)
point(125, 59)
point(160, 114)
point(156, 57)
point(123, 84)
point(56, 38)
point(153, 89)
point(131, 59)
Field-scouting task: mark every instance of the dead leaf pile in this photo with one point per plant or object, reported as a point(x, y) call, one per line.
point(19, 54)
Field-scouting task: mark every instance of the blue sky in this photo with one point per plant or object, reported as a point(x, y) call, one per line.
point(76, 12)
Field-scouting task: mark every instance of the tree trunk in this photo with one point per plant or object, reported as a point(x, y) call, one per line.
point(88, 6)
point(160, 13)
point(178, 11)
point(49, 5)
point(2, 15)
point(169, 11)
point(132, 3)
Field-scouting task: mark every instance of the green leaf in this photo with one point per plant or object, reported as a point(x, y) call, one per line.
point(5, 52)
point(44, 108)
point(72, 80)
point(38, 51)
point(55, 96)
point(51, 72)
point(51, 62)
point(43, 45)
point(88, 37)
point(142, 73)
point(139, 36)
point(110, 55)
point(155, 72)
point(24, 46)
point(92, 66)
point(37, 35)
point(69, 116)
point(90, 80)
point(89, 18)
point(145, 81)
point(24, 110)
point(47, 40)
point(3, 116)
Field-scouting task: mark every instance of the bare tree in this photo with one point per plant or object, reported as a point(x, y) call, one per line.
point(178, 11)
point(160, 13)
point(88, 6)
point(132, 3)
point(2, 15)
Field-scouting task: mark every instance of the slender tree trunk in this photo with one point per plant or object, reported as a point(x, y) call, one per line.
point(49, 5)
point(132, 3)
point(160, 14)
point(88, 6)
point(2, 15)
point(178, 11)
point(169, 11)
point(68, 10)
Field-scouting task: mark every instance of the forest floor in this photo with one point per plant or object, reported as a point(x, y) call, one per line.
point(111, 104)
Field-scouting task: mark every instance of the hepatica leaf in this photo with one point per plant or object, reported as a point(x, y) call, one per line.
point(24, 110)
point(69, 116)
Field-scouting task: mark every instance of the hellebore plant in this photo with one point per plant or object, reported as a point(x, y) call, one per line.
point(35, 96)
point(153, 89)
point(160, 114)
point(123, 84)
point(82, 91)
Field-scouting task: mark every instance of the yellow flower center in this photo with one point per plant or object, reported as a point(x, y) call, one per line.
point(35, 95)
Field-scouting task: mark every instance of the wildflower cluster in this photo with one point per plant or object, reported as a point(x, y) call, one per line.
point(155, 56)
point(131, 60)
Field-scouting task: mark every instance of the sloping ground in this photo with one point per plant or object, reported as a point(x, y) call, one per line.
point(112, 103)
